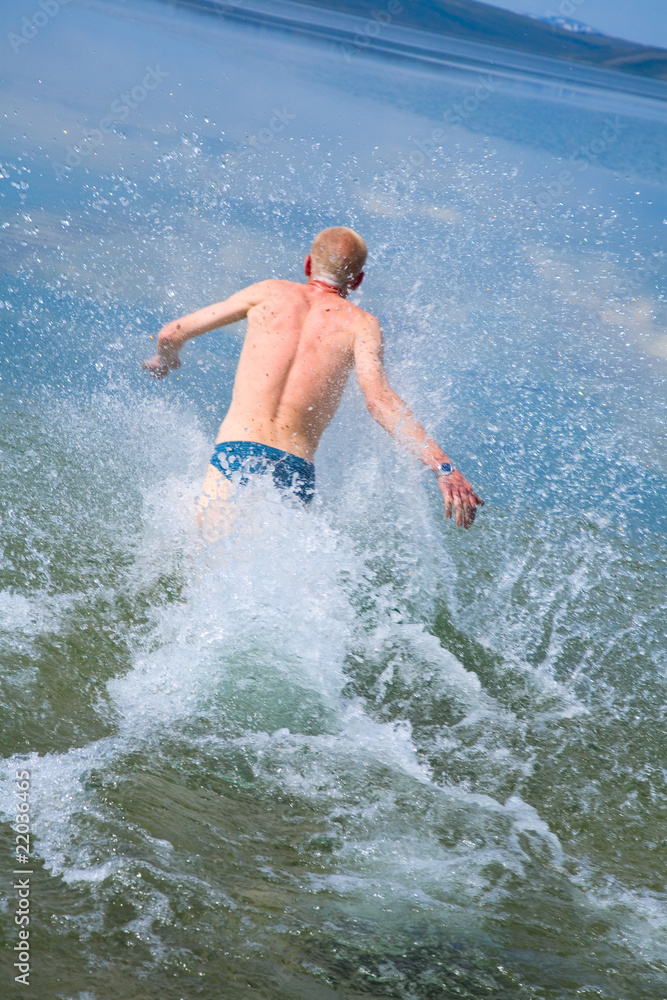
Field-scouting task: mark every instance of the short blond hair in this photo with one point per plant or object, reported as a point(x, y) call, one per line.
point(338, 254)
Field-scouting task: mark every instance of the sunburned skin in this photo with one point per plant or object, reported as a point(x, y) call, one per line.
point(298, 353)
point(302, 342)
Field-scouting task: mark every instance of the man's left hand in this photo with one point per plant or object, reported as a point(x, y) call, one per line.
point(158, 366)
point(459, 495)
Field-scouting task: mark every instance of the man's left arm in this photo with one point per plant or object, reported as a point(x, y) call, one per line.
point(389, 410)
point(174, 335)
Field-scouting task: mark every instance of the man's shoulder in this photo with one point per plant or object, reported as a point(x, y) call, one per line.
point(363, 320)
point(271, 286)
point(363, 313)
point(282, 285)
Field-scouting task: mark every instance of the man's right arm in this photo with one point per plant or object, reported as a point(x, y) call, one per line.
point(389, 410)
point(174, 335)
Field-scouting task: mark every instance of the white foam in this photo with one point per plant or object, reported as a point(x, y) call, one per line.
point(253, 657)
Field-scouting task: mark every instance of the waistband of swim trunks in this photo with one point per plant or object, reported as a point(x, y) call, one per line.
point(253, 449)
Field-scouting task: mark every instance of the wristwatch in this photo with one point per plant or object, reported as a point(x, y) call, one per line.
point(444, 469)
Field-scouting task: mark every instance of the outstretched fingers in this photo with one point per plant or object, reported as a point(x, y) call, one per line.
point(158, 367)
point(458, 509)
point(155, 369)
point(466, 509)
point(462, 501)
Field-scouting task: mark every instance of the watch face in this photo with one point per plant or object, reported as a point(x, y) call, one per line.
point(445, 468)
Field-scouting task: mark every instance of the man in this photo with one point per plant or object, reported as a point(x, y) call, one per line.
point(301, 343)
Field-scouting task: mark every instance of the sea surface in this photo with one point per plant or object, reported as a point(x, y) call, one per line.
point(351, 751)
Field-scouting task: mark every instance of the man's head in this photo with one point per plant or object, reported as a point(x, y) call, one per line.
point(337, 256)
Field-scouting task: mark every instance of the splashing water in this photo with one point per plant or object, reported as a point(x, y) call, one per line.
point(348, 751)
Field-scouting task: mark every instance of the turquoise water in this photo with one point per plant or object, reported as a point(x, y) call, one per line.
point(347, 752)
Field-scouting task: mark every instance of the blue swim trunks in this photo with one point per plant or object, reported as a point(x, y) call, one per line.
point(291, 474)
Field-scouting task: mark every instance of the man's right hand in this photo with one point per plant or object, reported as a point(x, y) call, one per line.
point(158, 366)
point(459, 494)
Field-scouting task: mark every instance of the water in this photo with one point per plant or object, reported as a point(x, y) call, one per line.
point(351, 751)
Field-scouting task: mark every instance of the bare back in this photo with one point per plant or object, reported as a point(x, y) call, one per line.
point(297, 355)
point(301, 343)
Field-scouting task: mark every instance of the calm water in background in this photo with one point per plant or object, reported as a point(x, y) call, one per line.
point(349, 752)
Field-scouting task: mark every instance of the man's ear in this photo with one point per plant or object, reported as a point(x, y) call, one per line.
point(357, 281)
point(308, 266)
